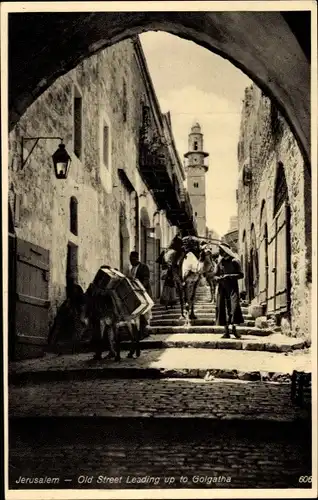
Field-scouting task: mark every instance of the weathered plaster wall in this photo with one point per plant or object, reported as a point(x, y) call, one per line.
point(264, 149)
point(44, 213)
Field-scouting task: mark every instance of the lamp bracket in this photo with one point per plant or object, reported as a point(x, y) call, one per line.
point(36, 140)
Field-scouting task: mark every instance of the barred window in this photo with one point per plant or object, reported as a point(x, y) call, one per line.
point(106, 145)
point(125, 101)
point(73, 216)
point(77, 125)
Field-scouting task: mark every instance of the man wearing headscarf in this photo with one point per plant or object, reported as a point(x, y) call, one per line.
point(228, 272)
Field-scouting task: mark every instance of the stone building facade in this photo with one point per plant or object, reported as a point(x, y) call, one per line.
point(274, 213)
point(113, 201)
point(231, 238)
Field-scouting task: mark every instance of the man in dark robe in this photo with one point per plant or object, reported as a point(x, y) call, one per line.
point(228, 272)
point(141, 272)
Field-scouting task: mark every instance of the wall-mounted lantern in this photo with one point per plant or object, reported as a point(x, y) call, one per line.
point(144, 193)
point(61, 158)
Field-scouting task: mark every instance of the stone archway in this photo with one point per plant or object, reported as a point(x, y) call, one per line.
point(44, 46)
point(158, 238)
point(144, 230)
point(253, 265)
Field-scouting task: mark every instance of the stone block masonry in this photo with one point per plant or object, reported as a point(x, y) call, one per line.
point(266, 142)
point(111, 89)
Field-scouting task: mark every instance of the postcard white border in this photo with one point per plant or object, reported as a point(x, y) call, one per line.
point(167, 6)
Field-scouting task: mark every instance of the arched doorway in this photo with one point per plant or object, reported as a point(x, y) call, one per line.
point(263, 257)
point(147, 245)
point(279, 250)
point(144, 232)
point(124, 241)
point(157, 266)
point(281, 70)
point(253, 266)
point(245, 266)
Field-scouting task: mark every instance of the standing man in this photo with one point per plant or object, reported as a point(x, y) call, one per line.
point(141, 272)
point(228, 272)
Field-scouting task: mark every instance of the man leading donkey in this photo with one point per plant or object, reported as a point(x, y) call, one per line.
point(227, 273)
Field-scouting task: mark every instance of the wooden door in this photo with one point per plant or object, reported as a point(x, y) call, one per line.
point(157, 270)
point(143, 243)
point(279, 264)
point(11, 294)
point(150, 257)
point(32, 302)
point(263, 267)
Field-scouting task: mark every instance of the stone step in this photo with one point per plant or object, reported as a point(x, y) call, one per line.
point(243, 330)
point(164, 363)
point(201, 315)
point(205, 321)
point(198, 306)
point(273, 343)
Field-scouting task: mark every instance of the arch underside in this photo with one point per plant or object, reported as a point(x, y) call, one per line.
point(264, 45)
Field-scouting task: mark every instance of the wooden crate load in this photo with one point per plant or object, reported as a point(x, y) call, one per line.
point(139, 286)
point(129, 297)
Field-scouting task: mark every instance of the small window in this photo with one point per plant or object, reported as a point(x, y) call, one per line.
point(195, 213)
point(78, 125)
point(125, 101)
point(73, 216)
point(195, 147)
point(196, 184)
point(106, 145)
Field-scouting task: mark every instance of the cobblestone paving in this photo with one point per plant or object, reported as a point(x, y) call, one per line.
point(156, 398)
point(273, 343)
point(177, 358)
point(205, 458)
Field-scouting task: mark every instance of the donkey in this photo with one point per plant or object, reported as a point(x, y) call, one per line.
point(101, 318)
point(187, 277)
point(171, 259)
point(207, 266)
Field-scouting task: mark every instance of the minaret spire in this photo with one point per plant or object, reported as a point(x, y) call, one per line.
point(196, 168)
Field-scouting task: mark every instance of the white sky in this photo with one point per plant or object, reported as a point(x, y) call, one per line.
point(194, 84)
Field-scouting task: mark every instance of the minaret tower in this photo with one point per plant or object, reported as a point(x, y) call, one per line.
point(196, 170)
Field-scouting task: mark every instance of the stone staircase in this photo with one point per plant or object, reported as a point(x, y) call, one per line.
point(169, 329)
point(175, 349)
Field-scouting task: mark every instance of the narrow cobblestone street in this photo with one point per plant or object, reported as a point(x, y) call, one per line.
point(157, 398)
point(214, 414)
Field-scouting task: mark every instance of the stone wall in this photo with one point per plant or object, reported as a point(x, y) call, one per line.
point(112, 90)
point(261, 146)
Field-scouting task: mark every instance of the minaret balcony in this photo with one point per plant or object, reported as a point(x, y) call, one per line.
point(196, 152)
point(194, 161)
